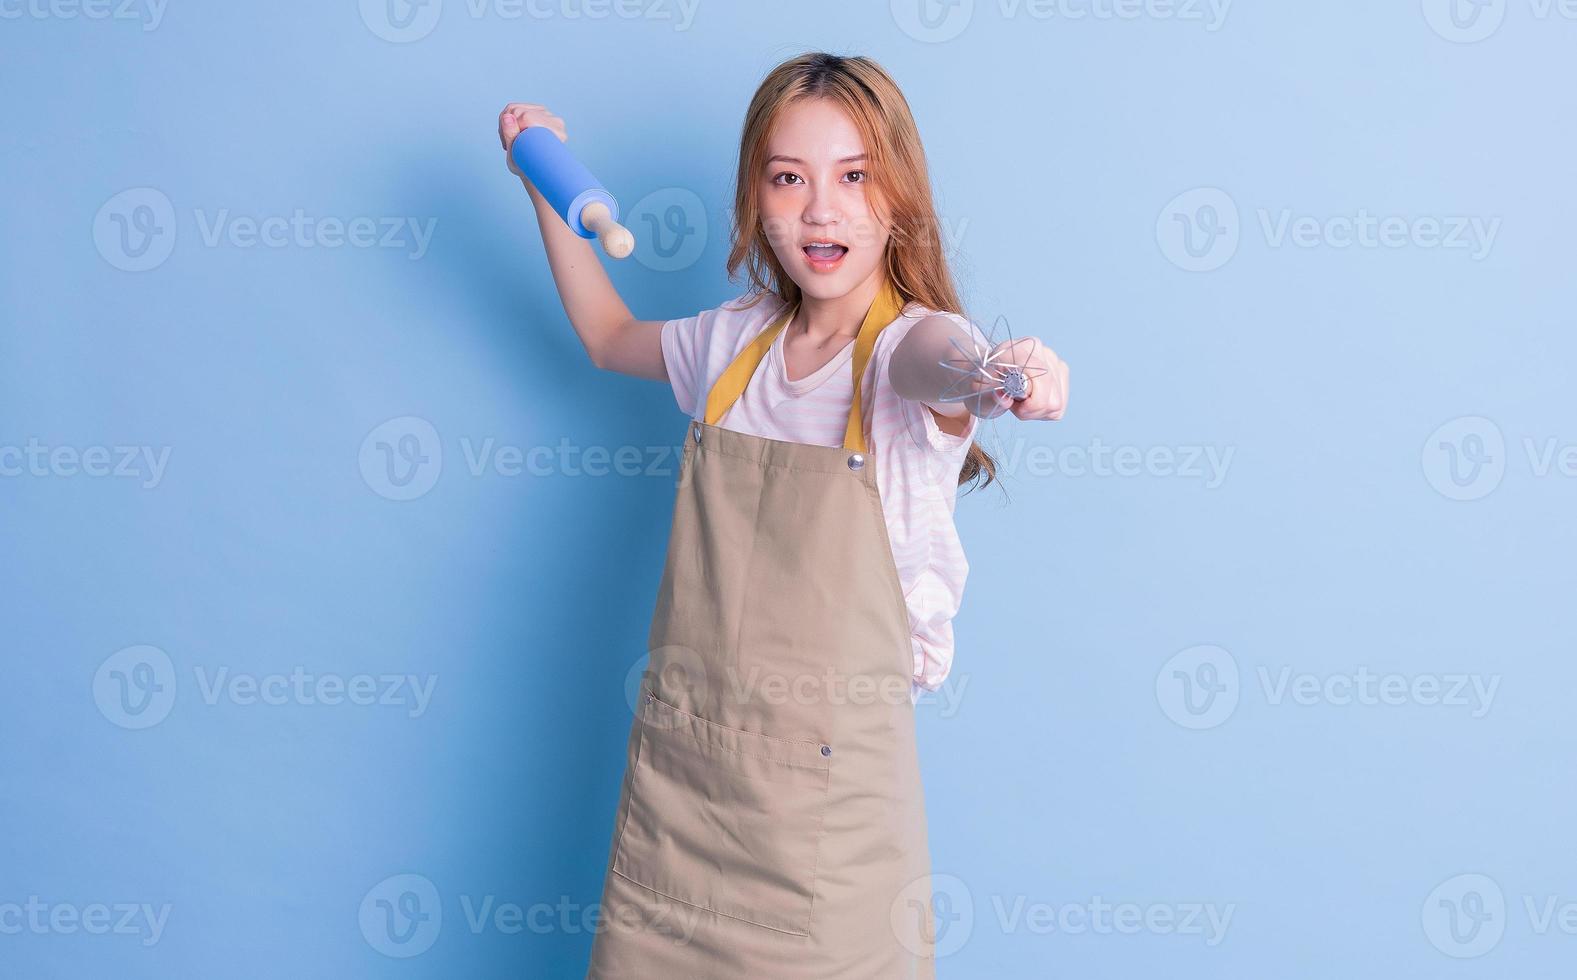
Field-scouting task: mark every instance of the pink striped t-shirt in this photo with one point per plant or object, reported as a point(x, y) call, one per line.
point(917, 464)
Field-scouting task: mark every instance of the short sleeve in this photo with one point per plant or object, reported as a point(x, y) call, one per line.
point(697, 348)
point(684, 344)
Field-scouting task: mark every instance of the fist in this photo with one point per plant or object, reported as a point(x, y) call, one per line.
point(523, 115)
point(1048, 378)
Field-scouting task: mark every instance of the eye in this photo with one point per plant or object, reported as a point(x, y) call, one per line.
point(787, 177)
point(855, 177)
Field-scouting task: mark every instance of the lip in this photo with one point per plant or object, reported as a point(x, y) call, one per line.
point(819, 264)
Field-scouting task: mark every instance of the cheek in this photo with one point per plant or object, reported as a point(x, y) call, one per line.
point(864, 214)
point(777, 216)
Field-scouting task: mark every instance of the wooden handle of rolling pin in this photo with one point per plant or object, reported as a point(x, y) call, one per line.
point(615, 238)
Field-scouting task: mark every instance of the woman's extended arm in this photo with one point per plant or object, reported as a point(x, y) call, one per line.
point(613, 338)
point(917, 373)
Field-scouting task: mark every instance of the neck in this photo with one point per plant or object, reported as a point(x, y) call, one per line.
point(821, 320)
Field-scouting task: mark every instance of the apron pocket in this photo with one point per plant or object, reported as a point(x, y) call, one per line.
point(724, 819)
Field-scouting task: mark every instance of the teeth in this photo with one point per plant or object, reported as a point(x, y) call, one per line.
point(825, 251)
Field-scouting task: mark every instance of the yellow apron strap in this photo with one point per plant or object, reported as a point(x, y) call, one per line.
point(883, 311)
point(731, 383)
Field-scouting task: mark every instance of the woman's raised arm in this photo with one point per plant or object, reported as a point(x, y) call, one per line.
point(613, 338)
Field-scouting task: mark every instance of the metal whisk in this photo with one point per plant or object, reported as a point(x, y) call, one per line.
point(997, 368)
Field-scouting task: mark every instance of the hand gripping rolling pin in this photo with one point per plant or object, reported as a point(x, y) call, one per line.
point(586, 207)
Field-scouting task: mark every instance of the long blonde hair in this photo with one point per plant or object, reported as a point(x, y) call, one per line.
point(915, 260)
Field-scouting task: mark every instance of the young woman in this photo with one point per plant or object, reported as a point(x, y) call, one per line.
point(771, 821)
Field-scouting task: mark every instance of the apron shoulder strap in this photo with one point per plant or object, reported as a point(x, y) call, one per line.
point(731, 383)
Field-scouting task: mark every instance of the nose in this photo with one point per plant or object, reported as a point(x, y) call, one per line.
point(822, 208)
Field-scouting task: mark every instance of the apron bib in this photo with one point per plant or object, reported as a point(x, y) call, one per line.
point(771, 822)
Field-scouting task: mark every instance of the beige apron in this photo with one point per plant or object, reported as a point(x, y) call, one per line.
point(771, 824)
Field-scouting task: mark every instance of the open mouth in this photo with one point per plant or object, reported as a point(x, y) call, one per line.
point(825, 255)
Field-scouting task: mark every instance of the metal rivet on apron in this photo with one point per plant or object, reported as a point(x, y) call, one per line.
point(856, 461)
point(826, 750)
point(698, 433)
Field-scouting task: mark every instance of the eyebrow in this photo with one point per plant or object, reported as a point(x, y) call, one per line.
point(785, 159)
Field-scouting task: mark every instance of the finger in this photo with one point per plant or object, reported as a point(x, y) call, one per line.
point(1047, 357)
point(544, 119)
point(556, 124)
point(508, 129)
point(1021, 350)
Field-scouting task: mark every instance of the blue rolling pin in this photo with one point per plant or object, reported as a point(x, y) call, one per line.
point(586, 207)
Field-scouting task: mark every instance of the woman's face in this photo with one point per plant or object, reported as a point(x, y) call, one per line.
point(817, 207)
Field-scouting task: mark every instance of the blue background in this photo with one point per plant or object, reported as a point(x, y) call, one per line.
point(1065, 762)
